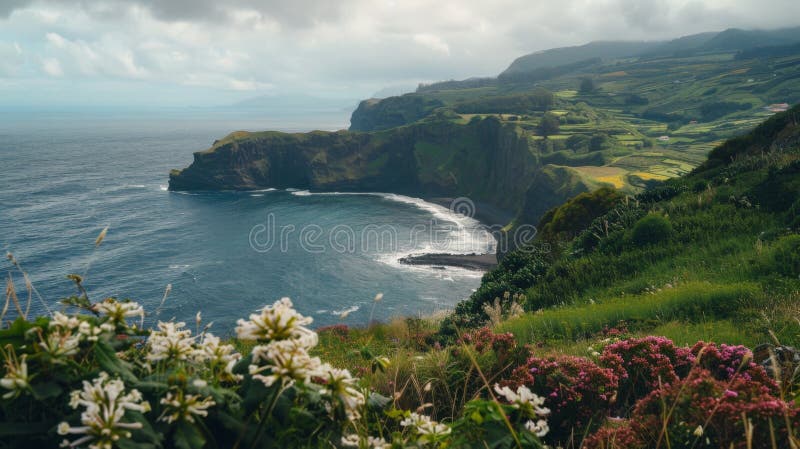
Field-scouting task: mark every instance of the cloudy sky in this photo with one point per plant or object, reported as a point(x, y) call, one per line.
point(207, 52)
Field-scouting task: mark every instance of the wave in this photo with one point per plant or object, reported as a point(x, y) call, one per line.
point(460, 234)
point(346, 311)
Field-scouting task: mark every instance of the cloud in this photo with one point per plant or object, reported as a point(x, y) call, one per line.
point(12, 59)
point(432, 42)
point(348, 48)
point(52, 67)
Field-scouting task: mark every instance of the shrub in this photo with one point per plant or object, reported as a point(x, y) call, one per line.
point(578, 393)
point(650, 230)
point(783, 257)
point(726, 362)
point(703, 407)
point(643, 364)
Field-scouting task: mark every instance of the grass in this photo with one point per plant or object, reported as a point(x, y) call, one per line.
point(687, 303)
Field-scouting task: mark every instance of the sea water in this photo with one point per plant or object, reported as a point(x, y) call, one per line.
point(64, 178)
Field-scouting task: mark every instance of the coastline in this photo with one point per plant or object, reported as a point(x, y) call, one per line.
point(487, 215)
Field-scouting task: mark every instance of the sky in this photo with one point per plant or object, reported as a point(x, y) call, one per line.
point(179, 53)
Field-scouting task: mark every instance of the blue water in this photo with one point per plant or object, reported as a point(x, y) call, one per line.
point(64, 178)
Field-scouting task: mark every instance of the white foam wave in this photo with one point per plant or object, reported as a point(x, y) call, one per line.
point(455, 234)
point(162, 187)
point(345, 311)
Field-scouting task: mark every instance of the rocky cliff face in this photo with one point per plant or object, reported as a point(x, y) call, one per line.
point(484, 160)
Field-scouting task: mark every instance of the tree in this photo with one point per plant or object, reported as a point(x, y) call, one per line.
point(587, 86)
point(549, 124)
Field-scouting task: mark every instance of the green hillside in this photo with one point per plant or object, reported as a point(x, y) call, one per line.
point(632, 114)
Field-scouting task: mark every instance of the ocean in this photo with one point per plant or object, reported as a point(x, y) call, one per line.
point(66, 177)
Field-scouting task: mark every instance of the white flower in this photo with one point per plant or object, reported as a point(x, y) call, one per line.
point(698, 432)
point(340, 385)
point(171, 342)
point(60, 343)
point(181, 406)
point(217, 355)
point(427, 429)
point(16, 378)
point(91, 332)
point(538, 428)
point(287, 361)
point(377, 443)
point(105, 403)
point(523, 397)
point(351, 440)
point(277, 322)
point(64, 322)
point(199, 383)
point(117, 311)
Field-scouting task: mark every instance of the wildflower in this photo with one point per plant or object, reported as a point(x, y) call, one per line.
point(287, 362)
point(117, 311)
point(170, 341)
point(60, 343)
point(105, 403)
point(698, 432)
point(377, 443)
point(427, 429)
point(181, 406)
point(210, 350)
point(64, 322)
point(351, 440)
point(538, 428)
point(199, 383)
point(340, 385)
point(92, 332)
point(277, 322)
point(16, 378)
point(523, 397)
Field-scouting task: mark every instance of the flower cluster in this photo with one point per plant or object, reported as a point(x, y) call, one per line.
point(370, 442)
point(643, 364)
point(530, 404)
point(704, 409)
point(725, 362)
point(219, 357)
point(424, 428)
point(105, 404)
point(282, 356)
point(280, 321)
point(182, 406)
point(16, 379)
point(170, 342)
point(576, 391)
point(117, 311)
point(484, 339)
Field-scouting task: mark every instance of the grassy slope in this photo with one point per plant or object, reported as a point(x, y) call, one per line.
point(722, 275)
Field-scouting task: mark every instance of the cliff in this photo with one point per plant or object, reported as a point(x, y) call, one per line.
point(484, 160)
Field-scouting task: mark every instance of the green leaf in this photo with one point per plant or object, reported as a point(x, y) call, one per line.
point(107, 359)
point(377, 401)
point(188, 436)
point(46, 390)
point(10, 429)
